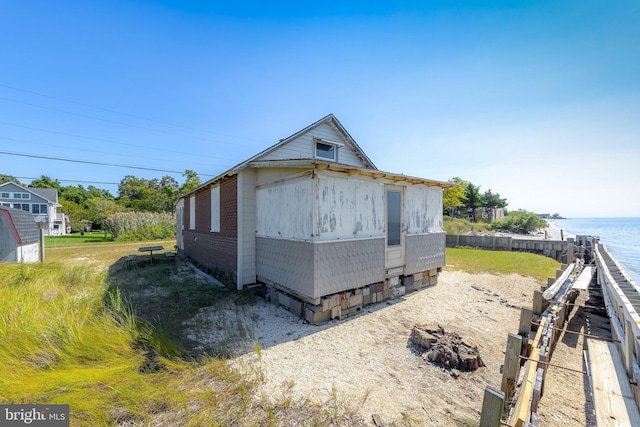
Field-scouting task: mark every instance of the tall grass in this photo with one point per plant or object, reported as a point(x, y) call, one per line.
point(462, 226)
point(66, 336)
point(138, 226)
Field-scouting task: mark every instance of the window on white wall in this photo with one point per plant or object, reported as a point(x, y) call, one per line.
point(215, 209)
point(192, 213)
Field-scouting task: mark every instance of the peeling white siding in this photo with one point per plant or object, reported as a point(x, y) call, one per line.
point(268, 175)
point(28, 253)
point(303, 147)
point(423, 210)
point(349, 208)
point(285, 210)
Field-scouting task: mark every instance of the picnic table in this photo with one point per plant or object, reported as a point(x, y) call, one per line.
point(151, 249)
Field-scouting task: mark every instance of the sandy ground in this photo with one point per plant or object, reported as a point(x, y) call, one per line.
point(368, 363)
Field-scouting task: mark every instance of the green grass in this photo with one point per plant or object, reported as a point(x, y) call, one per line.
point(69, 335)
point(76, 239)
point(501, 262)
point(82, 329)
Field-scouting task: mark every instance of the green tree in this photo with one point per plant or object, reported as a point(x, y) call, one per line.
point(45, 182)
point(191, 182)
point(9, 178)
point(76, 214)
point(491, 200)
point(98, 209)
point(147, 195)
point(454, 197)
point(472, 196)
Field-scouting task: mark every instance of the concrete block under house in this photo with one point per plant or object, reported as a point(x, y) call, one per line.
point(406, 280)
point(314, 314)
point(366, 299)
point(355, 301)
point(295, 306)
point(283, 299)
point(376, 287)
point(393, 281)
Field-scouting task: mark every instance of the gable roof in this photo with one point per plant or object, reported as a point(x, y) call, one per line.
point(46, 193)
point(51, 194)
point(22, 225)
point(330, 118)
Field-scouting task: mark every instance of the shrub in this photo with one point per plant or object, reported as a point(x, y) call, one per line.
point(520, 221)
point(137, 226)
point(462, 226)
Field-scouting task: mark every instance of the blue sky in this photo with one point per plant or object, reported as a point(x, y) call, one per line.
point(538, 101)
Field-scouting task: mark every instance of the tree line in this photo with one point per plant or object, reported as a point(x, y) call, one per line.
point(468, 196)
point(92, 205)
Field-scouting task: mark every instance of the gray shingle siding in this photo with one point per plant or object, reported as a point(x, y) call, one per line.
point(26, 226)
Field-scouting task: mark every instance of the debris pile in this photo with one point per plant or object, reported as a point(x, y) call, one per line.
point(446, 349)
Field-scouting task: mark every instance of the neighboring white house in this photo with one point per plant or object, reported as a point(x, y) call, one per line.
point(19, 236)
point(42, 203)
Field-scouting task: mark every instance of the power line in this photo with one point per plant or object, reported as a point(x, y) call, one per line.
point(107, 120)
point(121, 113)
point(73, 180)
point(96, 151)
point(89, 137)
point(93, 163)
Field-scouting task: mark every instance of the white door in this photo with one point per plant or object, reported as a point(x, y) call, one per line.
point(394, 242)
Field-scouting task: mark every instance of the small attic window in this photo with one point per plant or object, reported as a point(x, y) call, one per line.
point(327, 150)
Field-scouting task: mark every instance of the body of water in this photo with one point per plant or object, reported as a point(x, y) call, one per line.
point(620, 235)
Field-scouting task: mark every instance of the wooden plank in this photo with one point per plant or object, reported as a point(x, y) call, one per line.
point(511, 364)
point(612, 395)
point(522, 410)
point(583, 280)
point(537, 302)
point(492, 405)
point(526, 315)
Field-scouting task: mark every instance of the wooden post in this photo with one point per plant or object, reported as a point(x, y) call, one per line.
point(570, 253)
point(537, 302)
point(526, 315)
point(41, 245)
point(511, 364)
point(492, 405)
point(628, 353)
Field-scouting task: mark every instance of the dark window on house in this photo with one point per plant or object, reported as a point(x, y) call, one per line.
point(25, 195)
point(325, 151)
point(5, 195)
point(16, 195)
point(393, 218)
point(6, 205)
point(38, 209)
point(23, 206)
